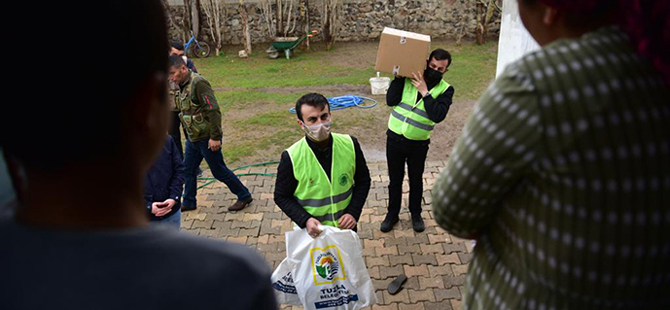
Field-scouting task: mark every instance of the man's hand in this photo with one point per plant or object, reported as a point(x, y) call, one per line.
point(313, 227)
point(347, 221)
point(161, 208)
point(214, 145)
point(171, 202)
point(419, 83)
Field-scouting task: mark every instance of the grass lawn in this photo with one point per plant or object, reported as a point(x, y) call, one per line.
point(255, 93)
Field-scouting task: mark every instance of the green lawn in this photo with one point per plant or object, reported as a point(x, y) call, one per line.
point(305, 69)
point(255, 93)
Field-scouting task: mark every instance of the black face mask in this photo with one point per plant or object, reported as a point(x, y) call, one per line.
point(431, 75)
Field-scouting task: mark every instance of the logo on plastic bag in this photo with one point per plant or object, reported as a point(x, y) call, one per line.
point(285, 284)
point(326, 265)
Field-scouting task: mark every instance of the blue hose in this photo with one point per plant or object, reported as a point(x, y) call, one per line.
point(346, 101)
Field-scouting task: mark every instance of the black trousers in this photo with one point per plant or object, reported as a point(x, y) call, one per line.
point(174, 131)
point(397, 154)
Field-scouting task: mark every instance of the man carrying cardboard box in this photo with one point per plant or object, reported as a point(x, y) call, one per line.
point(419, 103)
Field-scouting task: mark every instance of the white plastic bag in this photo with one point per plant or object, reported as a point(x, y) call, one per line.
point(282, 282)
point(329, 271)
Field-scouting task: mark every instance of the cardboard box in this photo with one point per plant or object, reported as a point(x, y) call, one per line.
point(402, 52)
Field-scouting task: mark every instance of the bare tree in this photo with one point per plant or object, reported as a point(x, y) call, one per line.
point(215, 13)
point(279, 4)
point(246, 36)
point(267, 16)
point(304, 16)
point(285, 17)
point(485, 11)
point(330, 13)
point(290, 18)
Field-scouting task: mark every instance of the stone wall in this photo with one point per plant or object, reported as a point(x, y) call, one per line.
point(361, 20)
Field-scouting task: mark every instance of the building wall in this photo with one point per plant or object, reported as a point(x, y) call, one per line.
point(361, 20)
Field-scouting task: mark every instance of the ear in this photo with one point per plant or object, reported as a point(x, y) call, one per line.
point(550, 16)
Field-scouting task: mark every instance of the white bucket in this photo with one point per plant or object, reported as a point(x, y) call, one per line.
point(379, 85)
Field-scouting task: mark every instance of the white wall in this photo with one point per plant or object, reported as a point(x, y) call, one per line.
point(515, 41)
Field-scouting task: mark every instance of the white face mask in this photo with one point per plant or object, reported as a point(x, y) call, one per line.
point(319, 132)
point(185, 59)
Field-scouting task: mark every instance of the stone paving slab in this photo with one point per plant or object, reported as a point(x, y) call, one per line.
point(434, 261)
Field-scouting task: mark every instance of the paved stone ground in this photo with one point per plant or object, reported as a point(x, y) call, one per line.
point(434, 261)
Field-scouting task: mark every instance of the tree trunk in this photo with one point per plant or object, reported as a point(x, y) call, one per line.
point(327, 37)
point(484, 12)
point(280, 17)
point(214, 14)
point(246, 38)
point(220, 15)
point(268, 17)
point(187, 21)
point(330, 19)
point(479, 31)
point(490, 10)
point(195, 17)
point(304, 10)
point(220, 29)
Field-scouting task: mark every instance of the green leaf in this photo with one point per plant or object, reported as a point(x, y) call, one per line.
point(321, 271)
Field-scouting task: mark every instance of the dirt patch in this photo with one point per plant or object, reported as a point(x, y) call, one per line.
point(354, 54)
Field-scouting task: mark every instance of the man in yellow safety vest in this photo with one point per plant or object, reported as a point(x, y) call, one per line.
point(322, 179)
point(419, 103)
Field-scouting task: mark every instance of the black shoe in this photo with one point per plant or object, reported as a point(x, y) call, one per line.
point(396, 285)
point(417, 223)
point(185, 208)
point(388, 223)
point(239, 205)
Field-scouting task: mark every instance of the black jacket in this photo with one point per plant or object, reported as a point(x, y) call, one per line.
point(436, 108)
point(165, 179)
point(286, 183)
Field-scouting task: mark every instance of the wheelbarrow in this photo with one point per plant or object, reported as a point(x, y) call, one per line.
point(286, 44)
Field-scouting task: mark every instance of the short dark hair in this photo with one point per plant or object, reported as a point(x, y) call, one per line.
point(178, 44)
point(176, 61)
point(312, 99)
point(440, 54)
point(90, 119)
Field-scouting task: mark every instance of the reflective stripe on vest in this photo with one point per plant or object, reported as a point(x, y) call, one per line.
point(409, 118)
point(321, 198)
